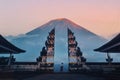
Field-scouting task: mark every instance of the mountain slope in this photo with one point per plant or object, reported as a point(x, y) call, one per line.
point(63, 22)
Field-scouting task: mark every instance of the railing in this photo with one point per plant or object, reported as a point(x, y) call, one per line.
point(19, 67)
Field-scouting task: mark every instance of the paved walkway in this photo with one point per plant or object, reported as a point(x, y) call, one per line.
point(64, 77)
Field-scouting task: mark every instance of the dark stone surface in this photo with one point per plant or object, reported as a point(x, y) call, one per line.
point(64, 76)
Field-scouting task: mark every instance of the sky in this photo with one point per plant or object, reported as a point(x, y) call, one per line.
point(21, 16)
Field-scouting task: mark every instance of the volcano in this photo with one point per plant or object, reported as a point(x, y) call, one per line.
point(34, 40)
point(61, 23)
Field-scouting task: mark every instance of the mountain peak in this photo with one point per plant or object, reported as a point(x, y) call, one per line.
point(61, 23)
point(65, 20)
point(61, 19)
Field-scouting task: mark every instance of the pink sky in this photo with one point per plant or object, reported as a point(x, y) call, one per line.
point(99, 16)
